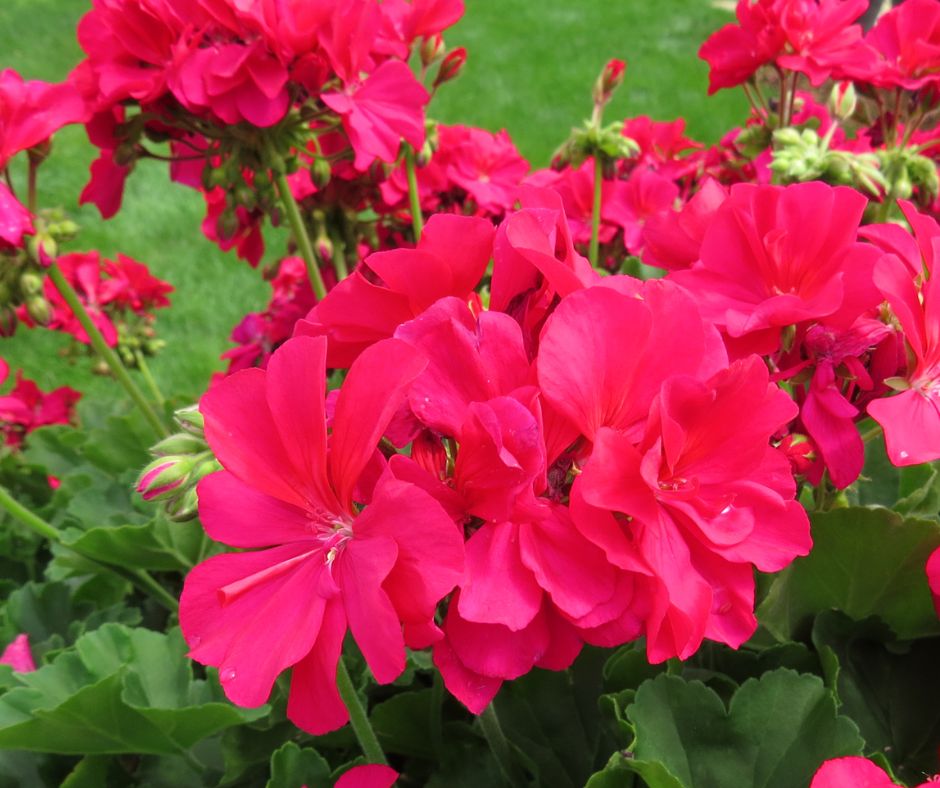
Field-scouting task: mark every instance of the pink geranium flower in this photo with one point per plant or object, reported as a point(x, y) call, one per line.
point(775, 256)
point(18, 655)
point(855, 772)
point(698, 504)
point(911, 419)
point(392, 287)
point(296, 492)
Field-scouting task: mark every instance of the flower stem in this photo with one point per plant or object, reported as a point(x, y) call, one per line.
point(300, 235)
point(499, 744)
point(357, 716)
point(596, 211)
point(148, 377)
point(106, 353)
point(414, 199)
point(34, 522)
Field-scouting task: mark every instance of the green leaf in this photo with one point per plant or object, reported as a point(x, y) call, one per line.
point(119, 690)
point(158, 544)
point(890, 689)
point(622, 769)
point(540, 714)
point(402, 724)
point(292, 766)
point(866, 562)
point(775, 734)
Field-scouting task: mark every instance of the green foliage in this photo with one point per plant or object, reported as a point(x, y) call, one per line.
point(120, 690)
point(774, 734)
point(866, 562)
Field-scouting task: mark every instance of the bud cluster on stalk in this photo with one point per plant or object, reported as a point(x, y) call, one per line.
point(180, 462)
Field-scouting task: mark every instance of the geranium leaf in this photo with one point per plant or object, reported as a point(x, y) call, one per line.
point(775, 733)
point(119, 690)
point(866, 562)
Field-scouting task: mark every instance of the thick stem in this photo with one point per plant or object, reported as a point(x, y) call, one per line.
point(499, 745)
point(106, 353)
point(34, 522)
point(596, 211)
point(300, 235)
point(414, 198)
point(357, 716)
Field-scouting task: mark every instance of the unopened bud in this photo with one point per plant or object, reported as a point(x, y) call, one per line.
point(41, 249)
point(321, 172)
point(424, 155)
point(30, 283)
point(610, 78)
point(842, 100)
point(451, 66)
point(180, 443)
point(160, 480)
point(125, 154)
point(191, 420)
point(183, 507)
point(432, 47)
point(39, 309)
point(8, 321)
point(227, 224)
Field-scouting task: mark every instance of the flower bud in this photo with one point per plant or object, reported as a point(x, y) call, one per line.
point(41, 249)
point(842, 100)
point(39, 309)
point(190, 420)
point(30, 283)
point(164, 476)
point(227, 224)
point(8, 321)
point(432, 47)
point(609, 80)
point(183, 507)
point(321, 172)
point(180, 443)
point(451, 66)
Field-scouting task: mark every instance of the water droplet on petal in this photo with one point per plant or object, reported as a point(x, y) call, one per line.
point(226, 675)
point(903, 455)
point(195, 641)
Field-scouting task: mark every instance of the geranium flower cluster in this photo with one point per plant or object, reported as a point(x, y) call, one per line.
point(583, 459)
point(26, 407)
point(119, 296)
point(244, 91)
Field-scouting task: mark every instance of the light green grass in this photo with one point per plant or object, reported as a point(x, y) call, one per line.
point(530, 70)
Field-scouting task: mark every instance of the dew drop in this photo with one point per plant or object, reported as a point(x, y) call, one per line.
point(195, 641)
point(226, 675)
point(903, 455)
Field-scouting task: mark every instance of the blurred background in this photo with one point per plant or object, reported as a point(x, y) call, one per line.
point(530, 69)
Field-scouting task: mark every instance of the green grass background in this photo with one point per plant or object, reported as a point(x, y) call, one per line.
point(530, 70)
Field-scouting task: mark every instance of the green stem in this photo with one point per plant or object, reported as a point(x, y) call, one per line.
point(148, 378)
point(106, 353)
point(436, 722)
point(300, 235)
point(138, 577)
point(32, 200)
point(596, 211)
point(499, 745)
point(414, 199)
point(357, 716)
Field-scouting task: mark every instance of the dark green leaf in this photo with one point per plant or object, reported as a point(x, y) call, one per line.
point(292, 766)
point(865, 562)
point(402, 724)
point(776, 732)
point(891, 690)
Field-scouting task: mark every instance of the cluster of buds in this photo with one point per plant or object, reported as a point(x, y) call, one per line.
point(22, 272)
point(802, 155)
point(181, 461)
point(592, 140)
